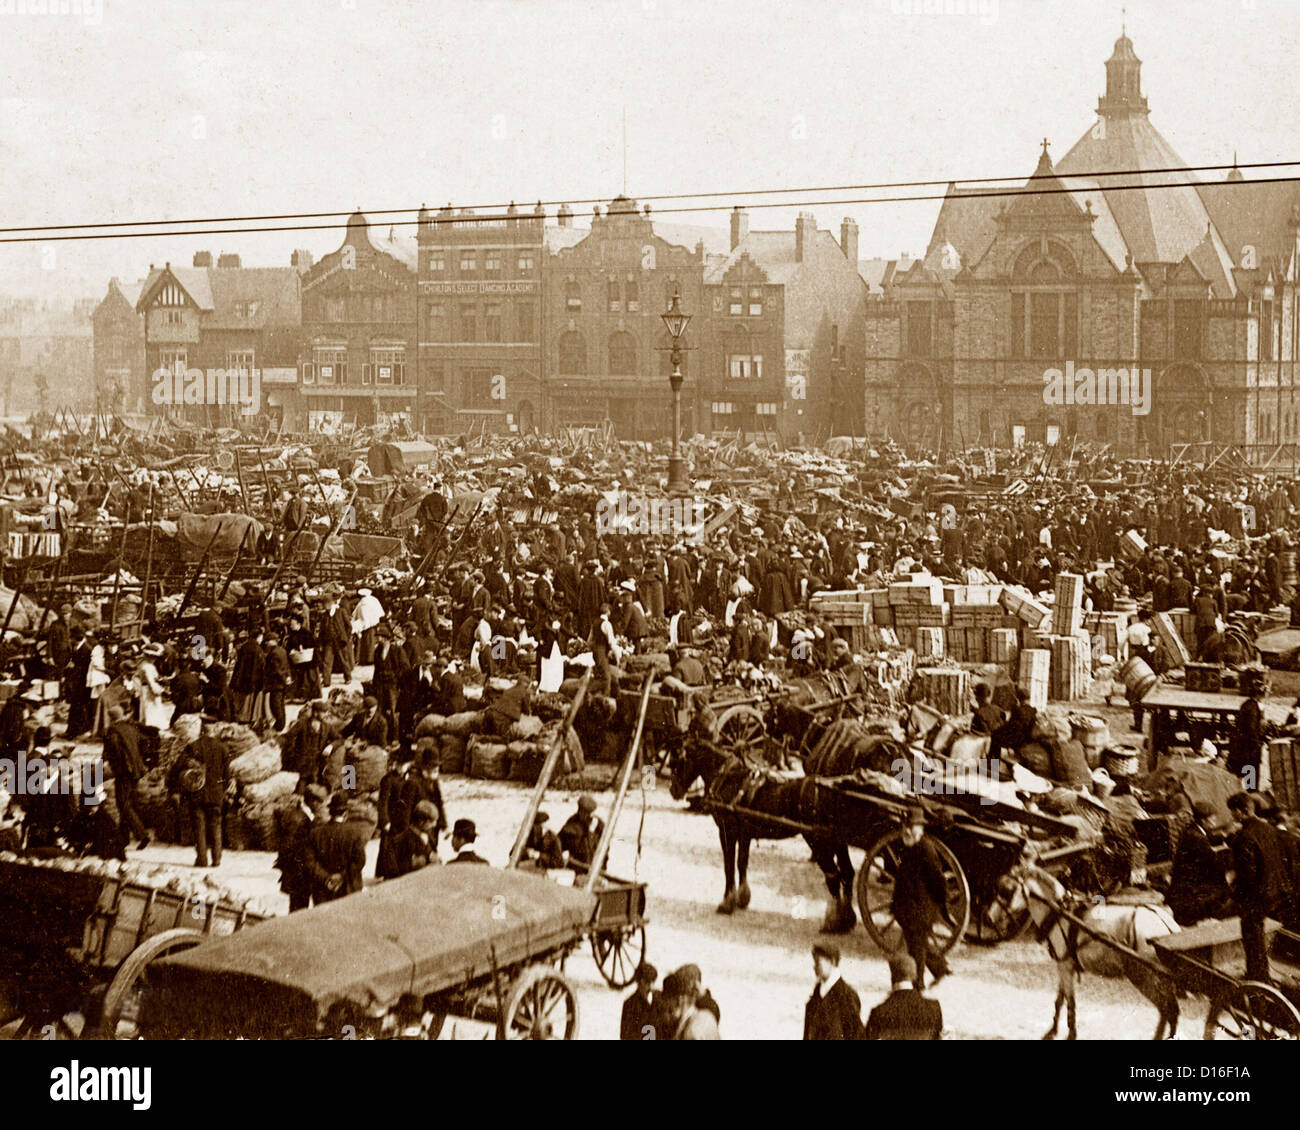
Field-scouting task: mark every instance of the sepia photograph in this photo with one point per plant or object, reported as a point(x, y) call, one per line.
point(638, 520)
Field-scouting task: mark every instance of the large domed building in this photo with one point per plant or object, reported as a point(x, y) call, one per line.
point(1109, 259)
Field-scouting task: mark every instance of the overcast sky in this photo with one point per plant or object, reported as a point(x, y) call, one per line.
point(196, 108)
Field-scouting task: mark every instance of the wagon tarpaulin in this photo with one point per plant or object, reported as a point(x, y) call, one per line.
point(194, 531)
point(370, 547)
point(430, 931)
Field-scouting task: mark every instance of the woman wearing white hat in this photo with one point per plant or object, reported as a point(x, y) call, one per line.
point(365, 616)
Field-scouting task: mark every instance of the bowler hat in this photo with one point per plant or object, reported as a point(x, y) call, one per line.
point(464, 830)
point(902, 969)
point(586, 803)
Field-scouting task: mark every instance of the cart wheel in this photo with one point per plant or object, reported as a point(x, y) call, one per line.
point(619, 954)
point(122, 1000)
point(875, 888)
point(541, 1006)
point(739, 728)
point(994, 921)
point(1251, 1010)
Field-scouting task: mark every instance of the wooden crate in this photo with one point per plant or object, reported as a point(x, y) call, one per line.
point(1035, 669)
point(1284, 773)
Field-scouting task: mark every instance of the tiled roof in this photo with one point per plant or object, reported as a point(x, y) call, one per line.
point(1254, 215)
point(966, 224)
point(217, 291)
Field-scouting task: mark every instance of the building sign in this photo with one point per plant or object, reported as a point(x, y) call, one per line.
point(283, 376)
point(491, 286)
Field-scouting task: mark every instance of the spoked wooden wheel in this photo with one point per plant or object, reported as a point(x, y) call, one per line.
point(121, 1014)
point(1252, 1010)
point(619, 954)
point(739, 729)
point(994, 920)
point(875, 889)
point(542, 1006)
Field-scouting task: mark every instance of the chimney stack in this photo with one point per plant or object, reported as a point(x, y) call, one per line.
point(203, 258)
point(565, 216)
point(227, 260)
point(301, 259)
point(849, 240)
point(804, 226)
point(739, 227)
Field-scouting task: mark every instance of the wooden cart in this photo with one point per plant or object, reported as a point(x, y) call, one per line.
point(82, 943)
point(1209, 959)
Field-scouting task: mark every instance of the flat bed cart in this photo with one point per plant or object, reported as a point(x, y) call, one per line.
point(462, 939)
point(1210, 960)
point(1199, 714)
point(79, 942)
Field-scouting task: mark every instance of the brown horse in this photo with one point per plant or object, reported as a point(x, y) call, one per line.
point(1076, 950)
point(774, 809)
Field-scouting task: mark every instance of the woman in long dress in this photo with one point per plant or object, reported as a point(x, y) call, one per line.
point(152, 710)
point(97, 678)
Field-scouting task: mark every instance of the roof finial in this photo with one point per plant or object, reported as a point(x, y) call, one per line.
point(1044, 147)
point(1123, 22)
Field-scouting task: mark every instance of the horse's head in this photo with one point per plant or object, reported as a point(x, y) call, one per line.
point(696, 758)
point(1026, 885)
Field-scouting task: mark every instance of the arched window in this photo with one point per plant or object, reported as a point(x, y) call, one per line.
point(622, 355)
point(573, 295)
point(573, 355)
point(1045, 304)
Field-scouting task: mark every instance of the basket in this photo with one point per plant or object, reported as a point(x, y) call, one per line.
point(302, 655)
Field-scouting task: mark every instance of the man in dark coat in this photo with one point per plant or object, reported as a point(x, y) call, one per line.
point(920, 896)
point(277, 676)
point(416, 695)
point(1198, 884)
point(391, 665)
point(303, 750)
point(335, 854)
point(834, 1011)
point(905, 1014)
point(1247, 741)
point(463, 835)
point(334, 641)
point(580, 835)
point(295, 513)
point(640, 1010)
point(1262, 888)
point(126, 763)
point(368, 723)
point(199, 780)
point(295, 828)
point(591, 597)
point(79, 700)
point(214, 686)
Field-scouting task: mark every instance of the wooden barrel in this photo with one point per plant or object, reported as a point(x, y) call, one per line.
point(1289, 574)
point(1126, 604)
point(1137, 676)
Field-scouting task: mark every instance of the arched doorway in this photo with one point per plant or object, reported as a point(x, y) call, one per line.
point(921, 419)
point(524, 417)
point(1183, 405)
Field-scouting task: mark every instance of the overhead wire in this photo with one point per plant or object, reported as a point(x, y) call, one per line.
point(18, 234)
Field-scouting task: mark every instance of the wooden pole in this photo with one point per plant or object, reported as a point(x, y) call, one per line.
point(239, 472)
point(121, 564)
point(239, 553)
point(198, 572)
point(334, 529)
point(148, 561)
point(597, 865)
point(548, 770)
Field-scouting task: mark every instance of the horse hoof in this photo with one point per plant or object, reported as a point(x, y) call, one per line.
point(726, 906)
point(1050, 1036)
point(742, 899)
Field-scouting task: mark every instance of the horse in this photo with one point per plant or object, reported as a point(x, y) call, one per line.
point(1077, 951)
point(732, 782)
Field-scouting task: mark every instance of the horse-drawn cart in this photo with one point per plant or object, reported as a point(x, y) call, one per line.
point(82, 943)
point(1209, 959)
point(455, 941)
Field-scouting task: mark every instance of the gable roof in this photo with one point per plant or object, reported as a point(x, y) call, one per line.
point(216, 291)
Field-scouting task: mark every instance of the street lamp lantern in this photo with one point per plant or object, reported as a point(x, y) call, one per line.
point(676, 322)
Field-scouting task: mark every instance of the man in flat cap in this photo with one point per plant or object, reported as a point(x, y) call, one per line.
point(580, 835)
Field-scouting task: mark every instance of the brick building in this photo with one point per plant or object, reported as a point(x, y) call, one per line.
point(604, 346)
point(784, 345)
point(358, 344)
point(480, 280)
point(46, 355)
point(1081, 276)
point(121, 378)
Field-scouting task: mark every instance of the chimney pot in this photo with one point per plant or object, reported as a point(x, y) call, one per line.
point(849, 239)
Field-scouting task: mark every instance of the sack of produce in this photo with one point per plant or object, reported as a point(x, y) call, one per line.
point(1070, 764)
point(346, 699)
point(332, 773)
point(1035, 757)
point(463, 724)
point(528, 726)
point(259, 763)
point(277, 785)
point(364, 812)
point(370, 763)
point(490, 760)
point(239, 738)
point(430, 724)
point(186, 729)
point(451, 752)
